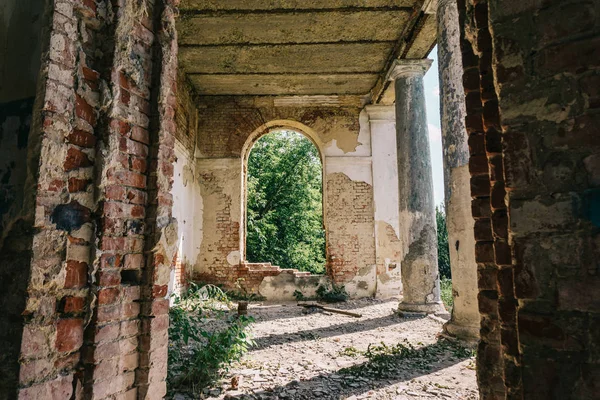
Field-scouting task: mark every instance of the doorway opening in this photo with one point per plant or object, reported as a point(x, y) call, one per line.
point(284, 203)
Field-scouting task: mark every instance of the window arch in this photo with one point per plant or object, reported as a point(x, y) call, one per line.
point(275, 127)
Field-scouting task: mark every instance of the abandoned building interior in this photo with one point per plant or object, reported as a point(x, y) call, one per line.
point(125, 130)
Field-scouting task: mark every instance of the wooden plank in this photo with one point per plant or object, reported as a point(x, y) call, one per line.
point(330, 309)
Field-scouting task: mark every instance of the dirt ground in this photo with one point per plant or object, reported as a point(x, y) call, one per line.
point(302, 354)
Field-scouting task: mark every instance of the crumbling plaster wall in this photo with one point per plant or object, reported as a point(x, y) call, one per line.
point(388, 245)
point(94, 316)
point(186, 191)
point(227, 128)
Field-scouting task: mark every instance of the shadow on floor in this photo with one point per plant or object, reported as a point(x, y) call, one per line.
point(380, 371)
point(353, 326)
point(270, 311)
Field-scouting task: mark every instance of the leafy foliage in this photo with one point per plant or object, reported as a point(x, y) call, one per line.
point(329, 293)
point(443, 249)
point(285, 206)
point(204, 339)
point(333, 294)
point(299, 296)
point(446, 293)
point(383, 360)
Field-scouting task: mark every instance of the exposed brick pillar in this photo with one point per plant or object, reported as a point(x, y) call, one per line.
point(65, 120)
point(111, 354)
point(528, 75)
point(127, 340)
point(482, 125)
point(96, 314)
point(161, 241)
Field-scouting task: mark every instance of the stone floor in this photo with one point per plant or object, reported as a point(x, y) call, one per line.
point(319, 355)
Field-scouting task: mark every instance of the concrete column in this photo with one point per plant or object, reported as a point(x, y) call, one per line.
point(464, 322)
point(420, 278)
point(388, 250)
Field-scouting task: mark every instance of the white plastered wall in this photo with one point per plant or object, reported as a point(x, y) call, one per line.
point(382, 122)
point(187, 209)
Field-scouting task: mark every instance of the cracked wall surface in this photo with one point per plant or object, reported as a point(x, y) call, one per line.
point(531, 74)
point(94, 237)
point(186, 191)
point(227, 128)
point(89, 238)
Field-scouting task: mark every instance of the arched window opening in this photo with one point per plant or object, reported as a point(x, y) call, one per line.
point(284, 215)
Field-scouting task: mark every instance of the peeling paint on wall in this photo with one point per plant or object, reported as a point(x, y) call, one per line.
point(187, 209)
point(350, 229)
point(219, 181)
point(229, 126)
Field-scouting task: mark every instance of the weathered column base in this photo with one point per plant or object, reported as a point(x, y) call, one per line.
point(463, 332)
point(423, 308)
point(464, 324)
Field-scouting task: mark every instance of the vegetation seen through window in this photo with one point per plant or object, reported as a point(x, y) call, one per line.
point(285, 206)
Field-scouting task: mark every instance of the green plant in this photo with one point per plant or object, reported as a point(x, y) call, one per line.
point(204, 339)
point(285, 203)
point(383, 359)
point(332, 293)
point(446, 293)
point(442, 240)
point(298, 295)
point(350, 352)
point(464, 352)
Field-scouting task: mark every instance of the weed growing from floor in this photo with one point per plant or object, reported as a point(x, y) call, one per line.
point(383, 360)
point(350, 352)
point(332, 294)
point(205, 337)
point(328, 293)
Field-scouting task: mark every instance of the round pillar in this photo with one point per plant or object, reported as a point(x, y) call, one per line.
point(419, 269)
point(464, 322)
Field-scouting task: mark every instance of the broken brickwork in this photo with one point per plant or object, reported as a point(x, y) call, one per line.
point(89, 152)
point(351, 250)
point(95, 317)
point(530, 79)
point(187, 206)
point(227, 128)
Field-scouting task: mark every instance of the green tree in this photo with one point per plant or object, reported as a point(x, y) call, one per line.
point(442, 238)
point(285, 206)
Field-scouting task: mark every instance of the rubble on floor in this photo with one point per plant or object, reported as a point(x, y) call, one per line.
point(309, 354)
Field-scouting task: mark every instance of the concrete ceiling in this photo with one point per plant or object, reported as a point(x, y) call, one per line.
point(298, 47)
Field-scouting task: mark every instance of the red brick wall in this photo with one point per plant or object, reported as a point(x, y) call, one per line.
point(58, 288)
point(224, 126)
point(96, 317)
point(351, 242)
point(226, 122)
point(531, 73)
